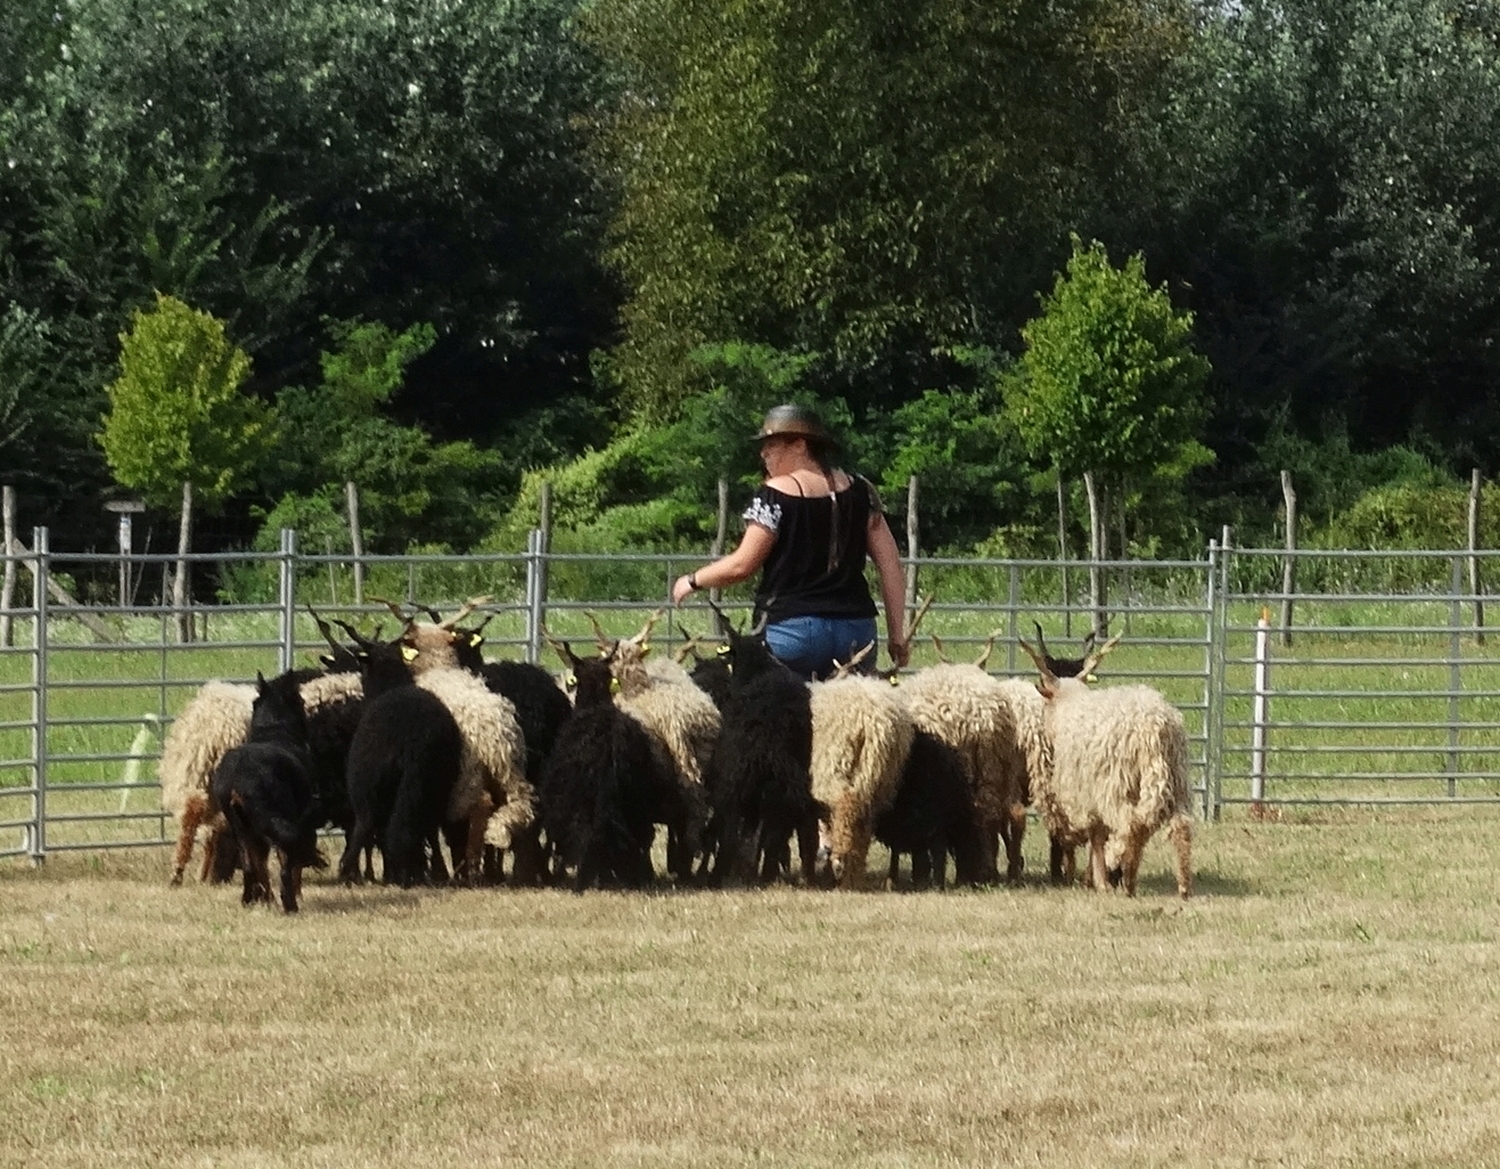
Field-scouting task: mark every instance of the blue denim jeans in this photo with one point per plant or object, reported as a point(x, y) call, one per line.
point(809, 646)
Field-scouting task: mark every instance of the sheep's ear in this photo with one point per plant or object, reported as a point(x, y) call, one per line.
point(260, 680)
point(1046, 690)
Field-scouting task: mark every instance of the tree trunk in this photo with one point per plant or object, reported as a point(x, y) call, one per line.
point(1098, 550)
point(1062, 554)
point(180, 578)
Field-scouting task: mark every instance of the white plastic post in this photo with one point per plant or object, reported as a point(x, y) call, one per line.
point(1262, 709)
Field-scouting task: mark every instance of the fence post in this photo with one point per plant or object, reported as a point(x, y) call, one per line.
point(8, 587)
point(721, 534)
point(1261, 715)
point(1289, 561)
point(535, 609)
point(356, 542)
point(1013, 597)
point(1211, 696)
point(1455, 674)
point(913, 550)
point(40, 572)
point(288, 591)
point(1476, 583)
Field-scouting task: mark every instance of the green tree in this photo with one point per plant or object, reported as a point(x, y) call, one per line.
point(855, 179)
point(412, 488)
point(176, 413)
point(1109, 385)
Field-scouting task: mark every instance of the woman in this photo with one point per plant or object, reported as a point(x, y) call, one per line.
point(809, 530)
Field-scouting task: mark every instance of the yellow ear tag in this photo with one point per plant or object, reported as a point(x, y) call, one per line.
point(645, 651)
point(408, 653)
point(1091, 677)
point(614, 685)
point(476, 640)
point(571, 681)
point(722, 651)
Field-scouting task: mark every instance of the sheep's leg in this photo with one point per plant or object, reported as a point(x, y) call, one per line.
point(1059, 860)
point(194, 811)
point(893, 870)
point(1012, 830)
point(218, 860)
point(257, 857)
point(530, 861)
point(359, 840)
point(1097, 837)
point(479, 817)
point(1130, 857)
point(807, 849)
point(1180, 833)
point(290, 880)
point(437, 867)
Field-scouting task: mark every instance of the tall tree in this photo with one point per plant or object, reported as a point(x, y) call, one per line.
point(850, 178)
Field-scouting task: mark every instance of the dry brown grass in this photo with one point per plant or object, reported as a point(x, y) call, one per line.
point(1330, 998)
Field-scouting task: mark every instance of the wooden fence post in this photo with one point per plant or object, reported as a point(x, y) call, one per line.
point(1476, 580)
point(721, 534)
point(356, 541)
point(912, 550)
point(8, 588)
point(1098, 538)
point(1289, 561)
point(180, 577)
point(1062, 555)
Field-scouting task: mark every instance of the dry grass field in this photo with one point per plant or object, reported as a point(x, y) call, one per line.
point(1330, 998)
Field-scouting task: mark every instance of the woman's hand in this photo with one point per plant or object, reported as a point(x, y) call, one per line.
point(681, 587)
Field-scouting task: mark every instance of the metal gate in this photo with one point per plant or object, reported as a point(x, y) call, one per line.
point(1381, 689)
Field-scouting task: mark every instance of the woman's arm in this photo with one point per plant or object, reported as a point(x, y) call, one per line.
point(887, 558)
point(741, 564)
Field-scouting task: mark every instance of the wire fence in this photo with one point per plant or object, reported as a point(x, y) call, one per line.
point(1383, 692)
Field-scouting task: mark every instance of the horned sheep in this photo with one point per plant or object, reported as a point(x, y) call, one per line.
point(861, 736)
point(1119, 772)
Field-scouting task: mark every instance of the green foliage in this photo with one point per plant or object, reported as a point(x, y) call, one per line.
point(859, 180)
point(1109, 382)
point(23, 376)
point(176, 412)
point(411, 488)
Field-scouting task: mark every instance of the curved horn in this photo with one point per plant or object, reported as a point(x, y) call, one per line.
point(1040, 660)
point(561, 648)
point(844, 669)
point(606, 642)
point(359, 638)
point(640, 638)
point(407, 620)
point(983, 660)
point(942, 654)
point(1097, 656)
point(917, 618)
point(469, 606)
point(1041, 639)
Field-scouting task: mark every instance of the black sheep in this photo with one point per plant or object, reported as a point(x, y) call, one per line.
point(758, 782)
point(265, 792)
point(603, 792)
point(933, 814)
point(403, 763)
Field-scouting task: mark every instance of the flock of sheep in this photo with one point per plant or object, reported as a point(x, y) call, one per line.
point(415, 743)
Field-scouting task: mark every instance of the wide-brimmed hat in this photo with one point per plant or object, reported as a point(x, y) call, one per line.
point(794, 421)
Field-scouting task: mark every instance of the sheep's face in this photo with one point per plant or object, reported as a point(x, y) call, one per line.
point(435, 648)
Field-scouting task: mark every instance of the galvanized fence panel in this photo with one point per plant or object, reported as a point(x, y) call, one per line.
point(1387, 692)
point(1383, 691)
point(21, 757)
